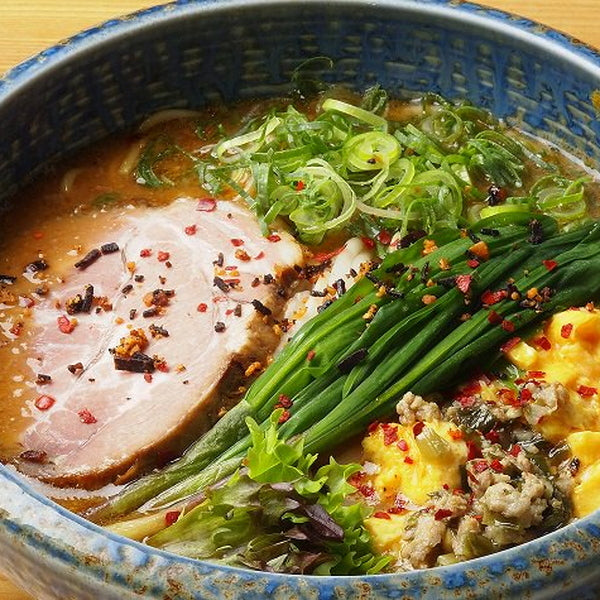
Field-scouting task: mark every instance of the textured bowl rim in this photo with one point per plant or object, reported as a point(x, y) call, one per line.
point(531, 32)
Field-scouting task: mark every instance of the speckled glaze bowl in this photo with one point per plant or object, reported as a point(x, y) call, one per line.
point(190, 53)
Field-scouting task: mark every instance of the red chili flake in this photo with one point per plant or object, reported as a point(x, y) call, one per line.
point(508, 326)
point(543, 342)
point(390, 434)
point(492, 436)
point(456, 434)
point(396, 510)
point(515, 450)
point(37, 235)
point(299, 185)
point(418, 427)
point(507, 396)
point(381, 515)
point(206, 204)
point(26, 302)
point(536, 374)
point(473, 263)
point(402, 445)
point(44, 402)
point(446, 486)
point(510, 344)
point(473, 450)
point(285, 401)
point(366, 490)
point(384, 237)
point(85, 416)
point(566, 330)
point(442, 513)
point(494, 318)
point(171, 517)
point(474, 387)
point(525, 395)
point(488, 297)
point(145, 252)
point(480, 466)
point(161, 365)
point(237, 242)
point(274, 238)
point(463, 282)
point(16, 329)
point(321, 257)
point(310, 355)
point(260, 255)
point(162, 256)
point(202, 307)
point(585, 391)
point(357, 478)
point(65, 325)
point(191, 230)
point(550, 264)
point(466, 401)
point(478, 517)
point(408, 460)
point(497, 466)
point(373, 426)
point(148, 377)
point(285, 415)
point(368, 242)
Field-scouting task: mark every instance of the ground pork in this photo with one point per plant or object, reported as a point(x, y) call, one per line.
point(412, 408)
point(461, 543)
point(547, 397)
point(420, 540)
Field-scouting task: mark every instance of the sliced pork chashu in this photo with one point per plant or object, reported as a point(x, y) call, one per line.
point(187, 294)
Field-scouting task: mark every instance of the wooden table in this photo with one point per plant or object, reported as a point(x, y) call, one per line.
point(28, 26)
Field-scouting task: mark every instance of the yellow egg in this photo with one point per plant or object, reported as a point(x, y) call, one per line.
point(573, 359)
point(403, 466)
point(386, 534)
point(585, 446)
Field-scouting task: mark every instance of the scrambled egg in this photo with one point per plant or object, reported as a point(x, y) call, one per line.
point(567, 351)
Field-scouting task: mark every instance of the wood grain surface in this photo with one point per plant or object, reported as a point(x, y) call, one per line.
point(28, 26)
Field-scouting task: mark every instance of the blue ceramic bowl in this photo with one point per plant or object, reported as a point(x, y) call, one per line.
point(189, 54)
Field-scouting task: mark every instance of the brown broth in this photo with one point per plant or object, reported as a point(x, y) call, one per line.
point(54, 218)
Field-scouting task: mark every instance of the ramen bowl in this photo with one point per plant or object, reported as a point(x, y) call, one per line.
point(191, 54)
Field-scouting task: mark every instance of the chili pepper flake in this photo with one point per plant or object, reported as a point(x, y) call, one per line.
point(86, 417)
point(442, 513)
point(384, 237)
point(191, 230)
point(488, 297)
point(242, 255)
point(299, 185)
point(492, 436)
point(418, 428)
point(171, 517)
point(585, 391)
point(456, 434)
point(163, 256)
point(396, 510)
point(508, 326)
point(148, 377)
point(236, 242)
point(515, 450)
point(274, 237)
point(284, 416)
point(373, 426)
point(428, 299)
point(390, 434)
point(543, 342)
point(494, 318)
point(408, 460)
point(368, 242)
point(566, 330)
point(497, 466)
point(510, 344)
point(402, 445)
point(66, 325)
point(206, 205)
point(536, 374)
point(473, 263)
point(550, 264)
point(202, 307)
point(480, 466)
point(260, 255)
point(145, 252)
point(34, 456)
point(463, 283)
point(310, 355)
point(381, 515)
point(16, 328)
point(44, 402)
point(473, 450)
